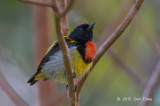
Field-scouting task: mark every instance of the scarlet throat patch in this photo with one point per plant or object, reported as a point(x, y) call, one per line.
point(90, 50)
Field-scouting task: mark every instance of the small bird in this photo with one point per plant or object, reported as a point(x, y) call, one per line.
point(82, 52)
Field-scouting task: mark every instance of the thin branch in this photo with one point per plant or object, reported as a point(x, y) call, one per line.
point(108, 30)
point(155, 77)
point(112, 38)
point(116, 34)
point(64, 49)
point(67, 61)
point(15, 98)
point(70, 4)
point(64, 18)
point(151, 86)
point(113, 24)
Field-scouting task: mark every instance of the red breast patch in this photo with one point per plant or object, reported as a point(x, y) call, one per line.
point(90, 50)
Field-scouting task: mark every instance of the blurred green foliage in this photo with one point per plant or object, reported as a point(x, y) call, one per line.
point(16, 32)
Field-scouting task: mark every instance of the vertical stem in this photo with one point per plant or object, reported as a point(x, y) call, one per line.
point(64, 18)
point(151, 86)
point(67, 61)
point(77, 100)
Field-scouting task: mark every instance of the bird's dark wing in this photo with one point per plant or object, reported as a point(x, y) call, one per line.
point(53, 49)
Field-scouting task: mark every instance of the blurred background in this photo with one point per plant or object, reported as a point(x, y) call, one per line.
point(122, 72)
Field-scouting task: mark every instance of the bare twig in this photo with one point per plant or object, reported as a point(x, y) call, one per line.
point(63, 13)
point(108, 30)
point(16, 99)
point(121, 28)
point(155, 77)
point(112, 38)
point(64, 49)
point(67, 61)
point(64, 18)
point(151, 86)
point(112, 24)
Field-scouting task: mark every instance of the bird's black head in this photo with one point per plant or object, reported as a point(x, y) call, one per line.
point(83, 33)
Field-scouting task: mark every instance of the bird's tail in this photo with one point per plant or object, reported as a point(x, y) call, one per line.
point(36, 77)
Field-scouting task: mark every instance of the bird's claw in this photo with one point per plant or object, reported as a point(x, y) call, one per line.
point(74, 74)
point(75, 89)
point(66, 87)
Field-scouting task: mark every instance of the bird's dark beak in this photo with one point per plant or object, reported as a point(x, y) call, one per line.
point(91, 25)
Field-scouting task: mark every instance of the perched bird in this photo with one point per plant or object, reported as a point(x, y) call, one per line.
point(82, 52)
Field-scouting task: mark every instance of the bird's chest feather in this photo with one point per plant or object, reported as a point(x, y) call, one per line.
point(90, 51)
point(83, 57)
point(87, 51)
point(79, 66)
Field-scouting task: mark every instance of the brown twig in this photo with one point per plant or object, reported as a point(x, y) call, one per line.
point(16, 99)
point(108, 30)
point(113, 24)
point(151, 86)
point(67, 61)
point(64, 18)
point(64, 49)
point(112, 38)
point(155, 77)
point(69, 6)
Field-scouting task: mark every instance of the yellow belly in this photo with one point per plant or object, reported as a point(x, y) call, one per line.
point(78, 65)
point(54, 68)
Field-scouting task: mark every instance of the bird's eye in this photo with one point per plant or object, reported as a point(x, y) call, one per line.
point(80, 30)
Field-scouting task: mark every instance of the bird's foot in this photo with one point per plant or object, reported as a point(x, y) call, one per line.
point(75, 89)
point(66, 87)
point(74, 75)
point(65, 75)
